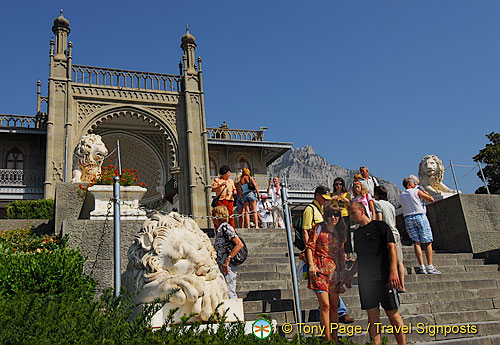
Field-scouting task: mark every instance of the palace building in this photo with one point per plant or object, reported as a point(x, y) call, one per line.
point(158, 119)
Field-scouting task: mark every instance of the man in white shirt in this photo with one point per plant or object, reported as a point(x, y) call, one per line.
point(265, 211)
point(417, 225)
point(368, 181)
point(274, 192)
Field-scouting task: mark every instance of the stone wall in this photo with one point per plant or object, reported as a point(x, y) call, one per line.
point(41, 226)
point(68, 204)
point(465, 223)
point(95, 240)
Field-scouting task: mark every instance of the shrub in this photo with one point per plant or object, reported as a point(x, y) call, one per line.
point(31, 209)
point(40, 265)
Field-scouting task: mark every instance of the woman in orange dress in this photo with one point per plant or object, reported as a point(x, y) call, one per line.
point(326, 259)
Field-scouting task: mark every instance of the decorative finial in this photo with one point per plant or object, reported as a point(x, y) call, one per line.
point(187, 26)
point(61, 13)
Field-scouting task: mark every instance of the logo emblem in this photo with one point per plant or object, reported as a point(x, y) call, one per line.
point(262, 328)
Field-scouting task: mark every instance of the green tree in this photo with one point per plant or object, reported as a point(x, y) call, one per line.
point(491, 156)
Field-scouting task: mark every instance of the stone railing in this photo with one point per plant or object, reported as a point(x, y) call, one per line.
point(23, 121)
point(19, 177)
point(89, 75)
point(235, 134)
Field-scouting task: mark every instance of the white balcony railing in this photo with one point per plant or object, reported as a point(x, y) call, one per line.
point(20, 178)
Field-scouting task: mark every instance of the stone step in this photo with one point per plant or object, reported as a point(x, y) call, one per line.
point(354, 306)
point(246, 276)
point(283, 267)
point(277, 288)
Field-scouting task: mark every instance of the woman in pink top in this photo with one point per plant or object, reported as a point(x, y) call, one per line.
point(361, 195)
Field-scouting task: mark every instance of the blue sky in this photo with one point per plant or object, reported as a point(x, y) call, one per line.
point(376, 83)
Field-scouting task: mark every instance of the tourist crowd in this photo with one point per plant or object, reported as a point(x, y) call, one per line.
point(327, 227)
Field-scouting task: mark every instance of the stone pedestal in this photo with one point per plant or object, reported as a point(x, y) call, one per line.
point(129, 202)
point(464, 223)
point(234, 307)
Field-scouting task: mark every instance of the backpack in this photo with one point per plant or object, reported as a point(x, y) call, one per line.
point(297, 226)
point(242, 255)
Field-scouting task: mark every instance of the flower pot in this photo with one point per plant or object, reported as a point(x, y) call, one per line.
point(129, 202)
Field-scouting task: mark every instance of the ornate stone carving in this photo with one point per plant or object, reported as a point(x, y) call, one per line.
point(60, 86)
point(171, 252)
point(431, 174)
point(200, 175)
point(171, 138)
point(85, 109)
point(195, 98)
point(58, 171)
point(155, 97)
point(168, 114)
point(88, 157)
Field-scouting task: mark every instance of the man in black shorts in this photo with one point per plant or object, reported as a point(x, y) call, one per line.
point(377, 267)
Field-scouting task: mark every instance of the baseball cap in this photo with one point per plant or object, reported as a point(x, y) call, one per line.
point(324, 192)
point(263, 195)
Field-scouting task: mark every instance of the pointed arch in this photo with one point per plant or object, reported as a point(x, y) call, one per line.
point(15, 159)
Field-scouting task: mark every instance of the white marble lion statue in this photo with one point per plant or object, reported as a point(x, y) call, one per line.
point(431, 174)
point(171, 252)
point(88, 157)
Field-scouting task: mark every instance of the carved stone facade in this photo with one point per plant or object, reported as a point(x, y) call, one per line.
point(159, 120)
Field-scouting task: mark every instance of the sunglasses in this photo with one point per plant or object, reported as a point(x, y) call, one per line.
point(339, 184)
point(336, 214)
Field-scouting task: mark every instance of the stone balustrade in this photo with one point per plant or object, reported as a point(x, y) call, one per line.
point(23, 121)
point(19, 177)
point(235, 134)
point(110, 77)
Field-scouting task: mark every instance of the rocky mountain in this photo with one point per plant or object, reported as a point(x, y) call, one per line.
point(304, 169)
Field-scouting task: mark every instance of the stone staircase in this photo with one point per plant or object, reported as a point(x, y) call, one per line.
point(467, 293)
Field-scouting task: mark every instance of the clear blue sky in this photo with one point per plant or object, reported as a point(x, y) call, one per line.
point(376, 83)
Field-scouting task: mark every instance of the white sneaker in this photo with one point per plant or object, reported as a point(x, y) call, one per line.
point(420, 270)
point(432, 270)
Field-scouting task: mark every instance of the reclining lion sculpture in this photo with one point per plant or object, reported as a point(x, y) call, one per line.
point(431, 174)
point(88, 157)
point(171, 252)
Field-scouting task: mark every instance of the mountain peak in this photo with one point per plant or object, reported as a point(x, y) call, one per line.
point(303, 163)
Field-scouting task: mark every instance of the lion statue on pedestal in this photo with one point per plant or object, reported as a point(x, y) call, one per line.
point(171, 252)
point(431, 174)
point(88, 157)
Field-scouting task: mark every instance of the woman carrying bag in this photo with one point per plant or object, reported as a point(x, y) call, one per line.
point(227, 244)
point(326, 259)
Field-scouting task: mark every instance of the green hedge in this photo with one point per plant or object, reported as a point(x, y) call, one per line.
point(41, 265)
point(46, 299)
point(31, 209)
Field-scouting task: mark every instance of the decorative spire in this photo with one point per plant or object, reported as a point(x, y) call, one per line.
point(188, 45)
point(61, 30)
point(187, 38)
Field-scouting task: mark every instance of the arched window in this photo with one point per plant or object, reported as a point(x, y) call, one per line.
point(242, 163)
point(15, 159)
point(213, 167)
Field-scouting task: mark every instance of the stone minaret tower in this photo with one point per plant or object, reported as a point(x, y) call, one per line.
point(56, 166)
point(194, 178)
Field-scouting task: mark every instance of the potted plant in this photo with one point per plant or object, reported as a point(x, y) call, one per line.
point(100, 189)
